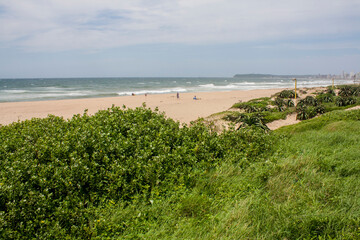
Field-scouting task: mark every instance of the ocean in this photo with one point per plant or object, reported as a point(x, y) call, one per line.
point(40, 89)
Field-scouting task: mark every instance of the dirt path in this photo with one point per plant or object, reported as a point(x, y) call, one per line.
point(353, 108)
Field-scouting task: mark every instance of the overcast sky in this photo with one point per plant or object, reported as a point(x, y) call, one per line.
point(195, 38)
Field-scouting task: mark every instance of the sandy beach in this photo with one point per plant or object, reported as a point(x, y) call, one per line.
point(184, 109)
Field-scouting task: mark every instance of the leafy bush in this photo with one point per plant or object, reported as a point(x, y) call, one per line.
point(349, 91)
point(308, 101)
point(345, 101)
point(330, 91)
point(255, 105)
point(283, 104)
point(320, 109)
point(325, 97)
point(249, 120)
point(56, 175)
point(306, 112)
point(280, 103)
point(289, 103)
point(287, 94)
point(308, 108)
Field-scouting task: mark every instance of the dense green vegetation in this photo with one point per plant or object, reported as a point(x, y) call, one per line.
point(326, 101)
point(261, 111)
point(56, 174)
point(133, 174)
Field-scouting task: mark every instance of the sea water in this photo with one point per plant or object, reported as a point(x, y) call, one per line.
point(39, 89)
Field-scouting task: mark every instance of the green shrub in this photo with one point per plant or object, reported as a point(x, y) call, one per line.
point(280, 103)
point(306, 112)
point(254, 105)
point(283, 104)
point(287, 94)
point(251, 120)
point(325, 97)
point(341, 101)
point(56, 175)
point(349, 91)
point(330, 91)
point(289, 103)
point(308, 101)
point(320, 109)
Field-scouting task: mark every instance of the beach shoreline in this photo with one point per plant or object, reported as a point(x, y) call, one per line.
point(183, 109)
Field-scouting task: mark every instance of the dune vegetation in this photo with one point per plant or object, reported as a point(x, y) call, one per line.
point(261, 111)
point(134, 174)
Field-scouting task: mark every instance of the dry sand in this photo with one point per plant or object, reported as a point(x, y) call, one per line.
point(290, 119)
point(184, 109)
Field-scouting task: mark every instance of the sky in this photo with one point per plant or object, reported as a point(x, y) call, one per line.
point(177, 38)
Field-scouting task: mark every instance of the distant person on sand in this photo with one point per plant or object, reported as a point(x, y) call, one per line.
point(194, 98)
point(177, 95)
point(133, 94)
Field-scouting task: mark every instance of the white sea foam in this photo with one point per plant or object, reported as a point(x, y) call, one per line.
point(231, 86)
point(160, 91)
point(58, 88)
point(30, 96)
point(245, 83)
point(210, 85)
point(15, 91)
point(64, 94)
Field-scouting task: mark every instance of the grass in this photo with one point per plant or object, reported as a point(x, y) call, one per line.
point(316, 181)
point(260, 103)
point(307, 188)
point(318, 123)
point(271, 116)
point(329, 107)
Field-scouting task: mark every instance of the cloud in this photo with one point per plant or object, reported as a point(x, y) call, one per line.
point(61, 25)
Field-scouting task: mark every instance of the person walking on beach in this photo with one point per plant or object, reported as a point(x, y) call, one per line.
point(177, 95)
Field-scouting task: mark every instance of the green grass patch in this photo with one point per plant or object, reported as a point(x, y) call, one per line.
point(254, 105)
point(321, 121)
point(271, 116)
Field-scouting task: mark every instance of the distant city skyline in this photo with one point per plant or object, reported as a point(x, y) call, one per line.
point(180, 38)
